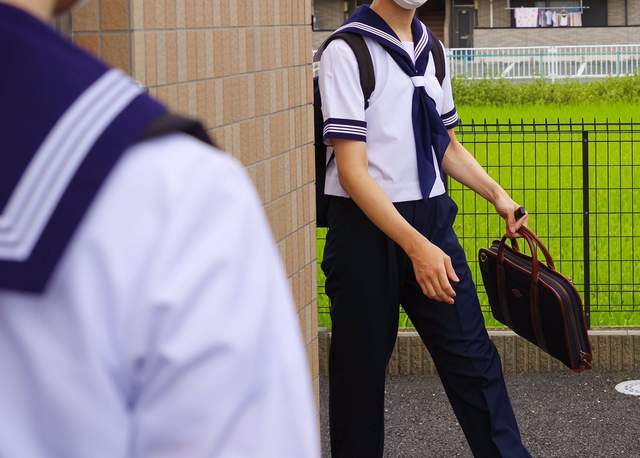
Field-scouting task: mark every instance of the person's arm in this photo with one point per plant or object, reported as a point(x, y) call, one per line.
point(463, 167)
point(218, 357)
point(433, 268)
point(345, 130)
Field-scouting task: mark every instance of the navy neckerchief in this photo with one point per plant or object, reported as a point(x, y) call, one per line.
point(428, 129)
point(65, 121)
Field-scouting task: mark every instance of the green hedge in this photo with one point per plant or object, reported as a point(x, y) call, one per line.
point(504, 92)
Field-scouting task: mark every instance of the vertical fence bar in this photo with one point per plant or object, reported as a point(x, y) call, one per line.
point(585, 226)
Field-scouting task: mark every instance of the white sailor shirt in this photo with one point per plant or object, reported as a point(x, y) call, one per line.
point(167, 329)
point(386, 126)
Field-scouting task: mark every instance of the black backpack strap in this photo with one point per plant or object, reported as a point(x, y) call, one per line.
point(437, 51)
point(170, 123)
point(363, 57)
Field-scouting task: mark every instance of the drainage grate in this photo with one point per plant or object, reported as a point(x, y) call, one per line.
point(631, 387)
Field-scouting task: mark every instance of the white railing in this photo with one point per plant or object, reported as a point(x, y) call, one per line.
point(545, 62)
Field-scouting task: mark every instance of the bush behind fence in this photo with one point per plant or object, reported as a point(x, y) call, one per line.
point(580, 182)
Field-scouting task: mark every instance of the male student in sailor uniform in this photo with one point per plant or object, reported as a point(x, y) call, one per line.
point(391, 240)
point(143, 307)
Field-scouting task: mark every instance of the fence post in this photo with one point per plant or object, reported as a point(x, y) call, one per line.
point(585, 226)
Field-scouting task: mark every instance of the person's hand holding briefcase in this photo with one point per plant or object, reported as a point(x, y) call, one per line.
point(534, 300)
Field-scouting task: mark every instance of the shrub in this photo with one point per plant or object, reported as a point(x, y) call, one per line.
point(504, 92)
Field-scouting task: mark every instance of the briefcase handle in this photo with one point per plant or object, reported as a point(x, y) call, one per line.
point(535, 264)
point(526, 232)
point(534, 242)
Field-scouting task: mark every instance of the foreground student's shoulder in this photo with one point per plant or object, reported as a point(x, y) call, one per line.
point(179, 163)
point(216, 310)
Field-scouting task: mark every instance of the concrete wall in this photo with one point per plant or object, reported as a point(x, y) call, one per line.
point(329, 13)
point(489, 38)
point(616, 12)
point(320, 37)
point(501, 16)
point(243, 68)
point(612, 351)
point(634, 13)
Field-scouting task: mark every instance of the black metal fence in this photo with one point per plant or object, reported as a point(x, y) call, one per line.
point(580, 182)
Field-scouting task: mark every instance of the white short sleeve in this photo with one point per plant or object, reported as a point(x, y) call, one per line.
point(167, 330)
point(449, 113)
point(342, 98)
point(219, 360)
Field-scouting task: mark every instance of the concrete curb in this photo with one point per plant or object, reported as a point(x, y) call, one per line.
point(613, 350)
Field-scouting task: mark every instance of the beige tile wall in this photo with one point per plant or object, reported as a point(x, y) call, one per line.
point(243, 68)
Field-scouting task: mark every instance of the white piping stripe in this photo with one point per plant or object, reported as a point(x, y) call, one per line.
point(423, 41)
point(368, 28)
point(344, 125)
point(450, 119)
point(340, 131)
point(37, 225)
point(41, 160)
point(335, 126)
point(78, 139)
point(33, 224)
point(62, 166)
point(51, 156)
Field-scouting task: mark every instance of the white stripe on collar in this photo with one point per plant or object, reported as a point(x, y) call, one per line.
point(420, 47)
point(374, 30)
point(422, 43)
point(58, 159)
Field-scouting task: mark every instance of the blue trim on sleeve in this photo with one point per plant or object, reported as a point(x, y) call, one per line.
point(349, 129)
point(450, 119)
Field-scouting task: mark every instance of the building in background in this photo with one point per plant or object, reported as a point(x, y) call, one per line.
point(499, 23)
point(329, 14)
point(243, 67)
point(504, 23)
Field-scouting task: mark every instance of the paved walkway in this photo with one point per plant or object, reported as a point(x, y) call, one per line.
point(560, 415)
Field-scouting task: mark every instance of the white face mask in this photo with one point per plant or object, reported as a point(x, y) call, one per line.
point(410, 4)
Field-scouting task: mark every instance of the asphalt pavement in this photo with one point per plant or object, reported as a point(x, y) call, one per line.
point(559, 414)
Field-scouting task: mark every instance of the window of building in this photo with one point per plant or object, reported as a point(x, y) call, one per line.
point(557, 13)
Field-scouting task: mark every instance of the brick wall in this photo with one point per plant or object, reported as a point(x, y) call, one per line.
point(613, 351)
point(243, 68)
point(555, 36)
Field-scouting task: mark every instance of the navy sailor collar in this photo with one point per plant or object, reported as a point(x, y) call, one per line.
point(65, 121)
point(365, 21)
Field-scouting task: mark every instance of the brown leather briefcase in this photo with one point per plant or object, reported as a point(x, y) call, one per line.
point(536, 301)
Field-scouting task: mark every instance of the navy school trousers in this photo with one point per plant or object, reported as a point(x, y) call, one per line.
point(368, 277)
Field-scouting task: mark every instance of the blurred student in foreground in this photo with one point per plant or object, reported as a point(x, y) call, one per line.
point(143, 308)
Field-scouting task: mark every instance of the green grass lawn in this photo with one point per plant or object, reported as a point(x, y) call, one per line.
point(601, 112)
point(547, 178)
